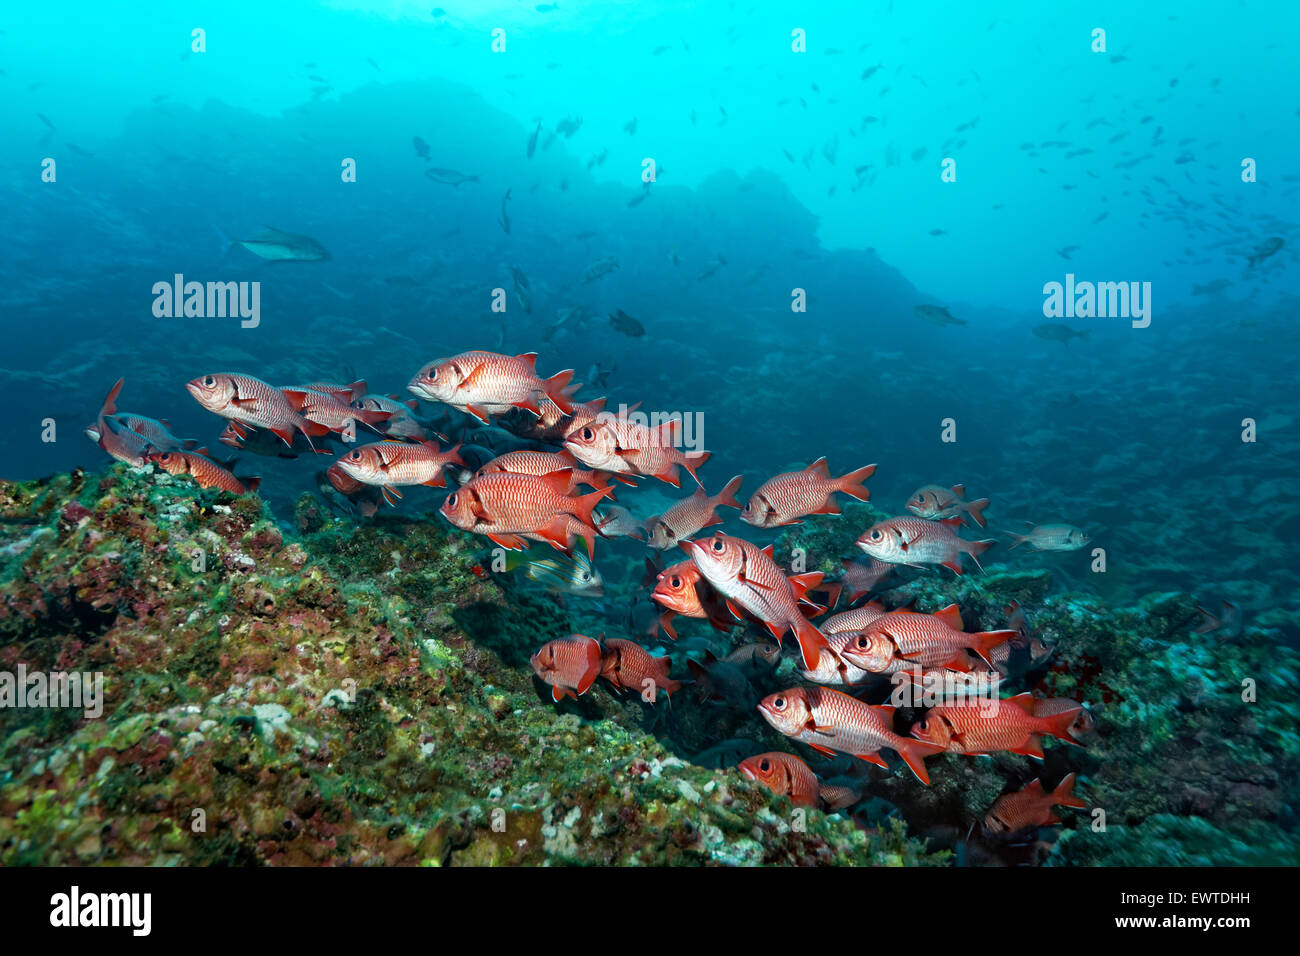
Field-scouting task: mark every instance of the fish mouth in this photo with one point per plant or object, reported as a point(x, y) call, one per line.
point(749, 774)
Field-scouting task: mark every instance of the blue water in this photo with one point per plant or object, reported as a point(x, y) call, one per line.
point(818, 170)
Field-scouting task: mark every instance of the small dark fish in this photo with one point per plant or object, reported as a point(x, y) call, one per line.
point(532, 141)
point(938, 315)
point(1058, 332)
point(1265, 249)
point(42, 117)
point(450, 177)
point(421, 148)
point(630, 126)
point(505, 216)
point(626, 324)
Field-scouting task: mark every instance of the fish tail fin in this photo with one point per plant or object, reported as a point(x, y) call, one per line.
point(1016, 539)
point(811, 642)
point(453, 455)
point(914, 753)
point(852, 483)
point(693, 460)
point(251, 484)
point(1058, 725)
point(556, 393)
point(982, 643)
point(581, 509)
point(1064, 794)
point(727, 496)
point(976, 548)
point(976, 511)
point(226, 242)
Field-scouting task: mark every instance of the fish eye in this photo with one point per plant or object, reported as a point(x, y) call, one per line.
point(585, 576)
point(452, 500)
point(765, 765)
point(718, 545)
point(779, 703)
point(862, 641)
point(209, 381)
point(433, 374)
point(588, 434)
point(877, 535)
point(676, 581)
point(356, 455)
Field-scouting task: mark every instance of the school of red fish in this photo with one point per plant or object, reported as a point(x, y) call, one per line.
point(538, 496)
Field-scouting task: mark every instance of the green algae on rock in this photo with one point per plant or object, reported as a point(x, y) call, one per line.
point(353, 695)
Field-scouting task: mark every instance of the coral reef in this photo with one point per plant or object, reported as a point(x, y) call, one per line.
point(341, 694)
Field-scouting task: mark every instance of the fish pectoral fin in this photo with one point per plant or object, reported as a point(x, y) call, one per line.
point(823, 750)
point(478, 413)
point(875, 758)
point(511, 542)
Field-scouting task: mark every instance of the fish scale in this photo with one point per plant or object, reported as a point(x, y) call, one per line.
point(540, 463)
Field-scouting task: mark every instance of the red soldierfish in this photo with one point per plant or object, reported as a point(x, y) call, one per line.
point(861, 575)
point(250, 401)
point(681, 589)
point(543, 463)
point(629, 666)
point(488, 383)
point(902, 640)
point(506, 506)
point(917, 542)
point(392, 463)
point(936, 502)
point(833, 722)
point(689, 515)
point(747, 577)
point(1031, 808)
point(332, 409)
point(840, 629)
point(786, 498)
point(569, 664)
point(786, 776)
point(978, 729)
point(203, 470)
point(616, 444)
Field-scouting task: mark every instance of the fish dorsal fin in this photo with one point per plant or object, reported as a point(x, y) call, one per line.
point(767, 550)
point(1024, 701)
point(668, 431)
point(529, 359)
point(956, 521)
point(959, 491)
point(559, 480)
point(820, 468)
point(951, 615)
point(597, 404)
point(110, 400)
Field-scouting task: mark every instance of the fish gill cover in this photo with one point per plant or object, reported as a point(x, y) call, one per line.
point(613, 433)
